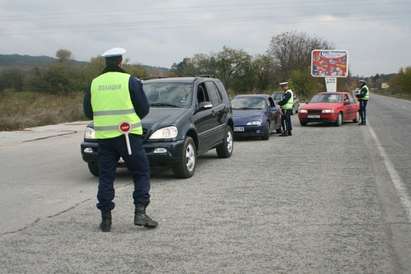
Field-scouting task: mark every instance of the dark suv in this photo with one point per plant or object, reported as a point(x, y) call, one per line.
point(188, 117)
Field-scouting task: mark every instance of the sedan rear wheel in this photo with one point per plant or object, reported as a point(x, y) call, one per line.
point(357, 117)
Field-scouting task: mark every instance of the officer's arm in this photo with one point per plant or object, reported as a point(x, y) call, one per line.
point(285, 99)
point(362, 93)
point(88, 110)
point(138, 97)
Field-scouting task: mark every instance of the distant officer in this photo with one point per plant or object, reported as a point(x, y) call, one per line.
point(286, 104)
point(115, 97)
point(363, 96)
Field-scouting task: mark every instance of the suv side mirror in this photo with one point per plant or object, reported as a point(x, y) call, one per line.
point(205, 105)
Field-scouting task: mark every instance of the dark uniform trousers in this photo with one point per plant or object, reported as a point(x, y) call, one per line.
point(363, 110)
point(286, 119)
point(110, 151)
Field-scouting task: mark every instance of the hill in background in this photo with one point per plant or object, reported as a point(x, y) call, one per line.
point(27, 62)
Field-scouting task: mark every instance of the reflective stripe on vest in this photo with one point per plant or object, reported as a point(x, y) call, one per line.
point(111, 103)
point(289, 104)
point(367, 93)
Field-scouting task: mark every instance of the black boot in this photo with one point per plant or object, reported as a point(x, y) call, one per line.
point(278, 131)
point(142, 219)
point(285, 133)
point(105, 225)
point(289, 133)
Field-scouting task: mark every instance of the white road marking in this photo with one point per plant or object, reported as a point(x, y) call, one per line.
point(395, 177)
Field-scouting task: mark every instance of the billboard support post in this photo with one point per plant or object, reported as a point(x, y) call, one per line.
point(331, 84)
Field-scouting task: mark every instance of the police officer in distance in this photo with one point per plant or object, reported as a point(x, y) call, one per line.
point(286, 104)
point(115, 97)
point(363, 96)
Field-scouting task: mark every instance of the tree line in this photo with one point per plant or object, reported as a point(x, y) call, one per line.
point(287, 58)
point(64, 75)
point(394, 83)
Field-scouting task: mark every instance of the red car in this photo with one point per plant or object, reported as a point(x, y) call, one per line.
point(331, 107)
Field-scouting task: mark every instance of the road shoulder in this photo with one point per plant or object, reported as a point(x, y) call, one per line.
point(398, 226)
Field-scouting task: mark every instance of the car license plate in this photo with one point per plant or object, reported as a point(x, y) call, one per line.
point(239, 129)
point(314, 116)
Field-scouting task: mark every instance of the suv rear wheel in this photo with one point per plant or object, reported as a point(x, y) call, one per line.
point(187, 163)
point(225, 149)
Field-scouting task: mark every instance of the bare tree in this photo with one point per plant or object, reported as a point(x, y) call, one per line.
point(292, 51)
point(264, 70)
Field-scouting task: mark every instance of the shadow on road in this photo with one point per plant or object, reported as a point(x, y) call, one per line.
point(327, 125)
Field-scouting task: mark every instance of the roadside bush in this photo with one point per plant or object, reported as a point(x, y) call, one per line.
point(12, 79)
point(401, 83)
point(61, 78)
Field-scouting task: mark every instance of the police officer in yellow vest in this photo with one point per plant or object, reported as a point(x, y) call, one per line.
point(363, 97)
point(115, 97)
point(286, 104)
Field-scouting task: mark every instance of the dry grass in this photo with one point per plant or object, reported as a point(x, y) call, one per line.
point(20, 110)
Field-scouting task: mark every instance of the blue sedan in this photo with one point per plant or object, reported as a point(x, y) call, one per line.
point(255, 115)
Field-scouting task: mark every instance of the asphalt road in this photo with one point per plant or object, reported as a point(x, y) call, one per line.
point(391, 120)
point(321, 201)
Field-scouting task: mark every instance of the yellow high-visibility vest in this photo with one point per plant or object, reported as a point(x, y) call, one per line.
point(111, 103)
point(290, 102)
point(367, 93)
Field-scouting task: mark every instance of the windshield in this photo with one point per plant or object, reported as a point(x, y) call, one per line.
point(326, 98)
point(178, 95)
point(248, 103)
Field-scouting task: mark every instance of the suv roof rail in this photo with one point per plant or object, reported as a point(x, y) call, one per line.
point(155, 77)
point(206, 76)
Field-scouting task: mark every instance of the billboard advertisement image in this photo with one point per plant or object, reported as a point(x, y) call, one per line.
point(329, 63)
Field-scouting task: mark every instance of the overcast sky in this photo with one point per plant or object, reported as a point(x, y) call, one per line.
point(376, 33)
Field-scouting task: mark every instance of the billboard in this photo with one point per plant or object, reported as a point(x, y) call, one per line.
point(329, 63)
